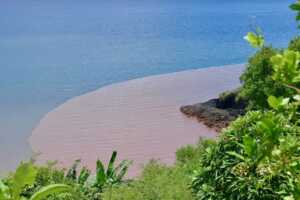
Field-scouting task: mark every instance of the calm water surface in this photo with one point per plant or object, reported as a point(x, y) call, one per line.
point(51, 51)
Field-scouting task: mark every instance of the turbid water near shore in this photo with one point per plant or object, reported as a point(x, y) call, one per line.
point(138, 118)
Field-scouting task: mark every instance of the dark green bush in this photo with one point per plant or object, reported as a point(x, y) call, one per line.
point(253, 159)
point(295, 44)
point(257, 81)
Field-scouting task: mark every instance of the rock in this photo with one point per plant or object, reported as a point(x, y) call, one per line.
point(217, 113)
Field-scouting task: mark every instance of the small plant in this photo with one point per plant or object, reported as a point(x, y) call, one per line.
point(256, 40)
point(112, 175)
point(12, 188)
point(73, 176)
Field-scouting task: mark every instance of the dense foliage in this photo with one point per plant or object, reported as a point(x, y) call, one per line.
point(253, 159)
point(48, 182)
point(257, 81)
point(295, 44)
point(161, 182)
point(157, 182)
point(14, 187)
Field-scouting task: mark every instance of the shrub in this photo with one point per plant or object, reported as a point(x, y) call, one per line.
point(157, 182)
point(49, 174)
point(295, 44)
point(255, 158)
point(48, 182)
point(257, 80)
point(186, 154)
point(188, 157)
point(15, 186)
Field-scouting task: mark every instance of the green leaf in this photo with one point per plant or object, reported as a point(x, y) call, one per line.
point(296, 79)
point(265, 126)
point(255, 39)
point(24, 175)
point(250, 146)
point(297, 191)
point(122, 169)
point(3, 191)
point(289, 198)
point(286, 68)
point(274, 102)
point(110, 168)
point(84, 175)
point(284, 101)
point(100, 174)
point(50, 190)
point(239, 156)
point(295, 6)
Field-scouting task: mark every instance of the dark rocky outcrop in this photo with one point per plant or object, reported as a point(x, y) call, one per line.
point(217, 113)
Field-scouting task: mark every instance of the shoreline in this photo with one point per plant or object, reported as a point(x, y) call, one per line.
point(138, 118)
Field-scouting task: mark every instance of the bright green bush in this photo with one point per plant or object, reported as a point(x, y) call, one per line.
point(257, 157)
point(49, 174)
point(257, 81)
point(188, 157)
point(14, 187)
point(157, 182)
point(50, 183)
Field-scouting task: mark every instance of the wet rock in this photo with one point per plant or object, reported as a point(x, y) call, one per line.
point(217, 113)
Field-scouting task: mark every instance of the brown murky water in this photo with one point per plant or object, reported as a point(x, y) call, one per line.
point(139, 118)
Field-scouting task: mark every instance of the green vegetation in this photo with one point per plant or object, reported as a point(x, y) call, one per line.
point(256, 158)
point(111, 176)
point(295, 44)
point(157, 182)
point(47, 182)
point(253, 159)
point(258, 82)
point(13, 187)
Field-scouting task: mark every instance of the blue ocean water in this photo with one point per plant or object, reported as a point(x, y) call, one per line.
point(51, 51)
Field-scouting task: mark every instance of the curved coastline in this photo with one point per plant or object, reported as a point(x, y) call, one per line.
point(139, 118)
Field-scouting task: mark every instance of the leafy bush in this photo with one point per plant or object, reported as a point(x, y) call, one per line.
point(188, 157)
point(48, 182)
point(257, 157)
point(257, 80)
point(157, 182)
point(13, 187)
point(253, 159)
point(229, 95)
point(186, 154)
point(287, 70)
point(112, 175)
point(295, 44)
